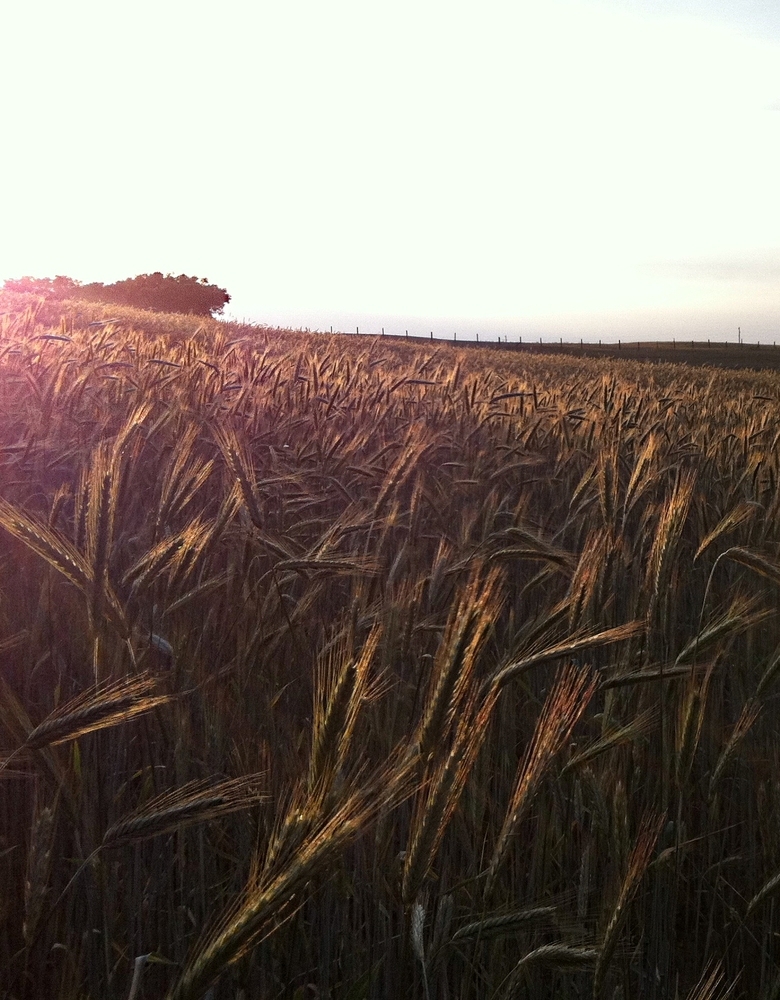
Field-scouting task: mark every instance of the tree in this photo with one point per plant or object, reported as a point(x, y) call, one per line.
point(164, 293)
point(60, 287)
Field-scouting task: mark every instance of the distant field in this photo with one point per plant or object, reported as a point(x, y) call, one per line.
point(755, 356)
point(351, 668)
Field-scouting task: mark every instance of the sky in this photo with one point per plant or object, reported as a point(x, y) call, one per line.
point(567, 168)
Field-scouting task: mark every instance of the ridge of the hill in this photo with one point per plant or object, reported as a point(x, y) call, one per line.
point(49, 312)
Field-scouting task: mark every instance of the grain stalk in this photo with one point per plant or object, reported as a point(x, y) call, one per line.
point(565, 704)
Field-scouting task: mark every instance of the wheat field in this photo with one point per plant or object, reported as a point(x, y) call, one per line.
point(345, 668)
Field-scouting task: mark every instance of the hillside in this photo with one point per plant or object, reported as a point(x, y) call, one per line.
point(364, 668)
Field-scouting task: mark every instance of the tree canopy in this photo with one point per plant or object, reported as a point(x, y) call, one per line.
point(163, 292)
point(158, 291)
point(59, 287)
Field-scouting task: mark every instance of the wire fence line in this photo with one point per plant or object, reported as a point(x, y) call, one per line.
point(488, 340)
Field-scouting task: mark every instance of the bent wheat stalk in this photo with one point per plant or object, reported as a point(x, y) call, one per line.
point(565, 704)
point(97, 708)
point(638, 863)
point(278, 884)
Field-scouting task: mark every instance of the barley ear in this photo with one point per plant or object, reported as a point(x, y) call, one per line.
point(98, 708)
point(561, 957)
point(566, 702)
point(638, 863)
point(39, 862)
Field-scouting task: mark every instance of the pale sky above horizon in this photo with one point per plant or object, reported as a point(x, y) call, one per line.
point(573, 167)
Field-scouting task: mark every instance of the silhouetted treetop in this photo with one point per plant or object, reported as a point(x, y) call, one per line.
point(162, 292)
point(59, 287)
